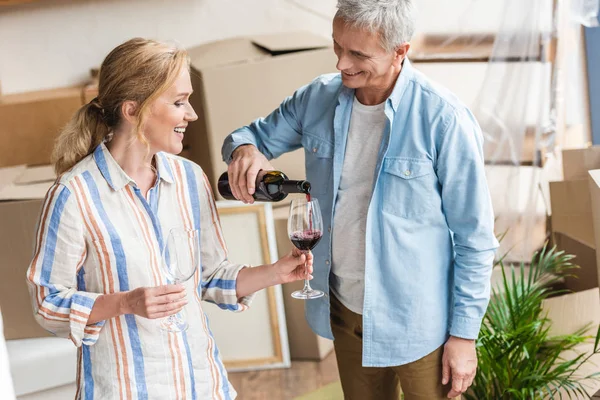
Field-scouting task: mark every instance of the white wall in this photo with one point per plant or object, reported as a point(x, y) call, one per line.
point(54, 43)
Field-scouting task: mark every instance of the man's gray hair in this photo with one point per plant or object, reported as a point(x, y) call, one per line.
point(394, 20)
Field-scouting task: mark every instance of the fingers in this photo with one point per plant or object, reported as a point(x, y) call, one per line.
point(243, 171)
point(165, 312)
point(232, 171)
point(251, 178)
point(309, 259)
point(169, 308)
point(457, 384)
point(445, 372)
point(167, 298)
point(165, 289)
point(460, 383)
point(243, 185)
point(465, 384)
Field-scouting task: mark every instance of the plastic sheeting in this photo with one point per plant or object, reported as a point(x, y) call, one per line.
point(531, 90)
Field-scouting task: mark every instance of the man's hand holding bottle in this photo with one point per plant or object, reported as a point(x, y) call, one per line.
point(243, 170)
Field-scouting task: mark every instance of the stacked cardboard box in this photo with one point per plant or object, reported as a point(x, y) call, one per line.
point(238, 80)
point(21, 191)
point(29, 124)
point(572, 215)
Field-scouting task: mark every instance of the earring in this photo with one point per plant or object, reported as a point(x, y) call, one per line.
point(108, 137)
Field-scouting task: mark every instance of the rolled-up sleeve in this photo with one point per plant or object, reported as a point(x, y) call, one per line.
point(219, 275)
point(468, 209)
point(60, 303)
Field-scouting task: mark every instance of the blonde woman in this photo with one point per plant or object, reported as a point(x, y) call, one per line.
point(95, 276)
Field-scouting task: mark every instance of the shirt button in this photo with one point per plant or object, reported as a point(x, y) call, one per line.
point(407, 172)
point(326, 262)
point(314, 149)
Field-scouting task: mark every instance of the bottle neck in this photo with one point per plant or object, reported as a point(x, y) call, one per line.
point(291, 186)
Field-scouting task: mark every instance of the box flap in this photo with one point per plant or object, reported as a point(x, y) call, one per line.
point(237, 50)
point(290, 42)
point(224, 52)
point(595, 177)
point(37, 174)
point(25, 183)
point(577, 162)
point(586, 276)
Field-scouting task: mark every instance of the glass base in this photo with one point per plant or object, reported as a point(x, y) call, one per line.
point(309, 294)
point(174, 323)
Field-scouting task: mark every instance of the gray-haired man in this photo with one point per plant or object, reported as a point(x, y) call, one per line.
point(397, 165)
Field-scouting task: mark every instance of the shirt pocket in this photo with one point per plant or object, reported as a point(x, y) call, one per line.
point(408, 187)
point(318, 154)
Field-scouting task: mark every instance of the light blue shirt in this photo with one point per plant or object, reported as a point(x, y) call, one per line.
point(430, 240)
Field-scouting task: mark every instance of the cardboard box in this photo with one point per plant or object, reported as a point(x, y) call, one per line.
point(572, 203)
point(21, 193)
point(30, 122)
point(594, 185)
point(577, 162)
point(304, 343)
point(238, 80)
point(573, 311)
point(572, 210)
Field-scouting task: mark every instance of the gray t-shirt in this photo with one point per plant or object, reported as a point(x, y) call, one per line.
point(354, 195)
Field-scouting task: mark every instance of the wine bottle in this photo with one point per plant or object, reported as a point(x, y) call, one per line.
point(270, 186)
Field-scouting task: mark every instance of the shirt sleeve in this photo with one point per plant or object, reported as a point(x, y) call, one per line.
point(468, 209)
point(60, 251)
point(219, 275)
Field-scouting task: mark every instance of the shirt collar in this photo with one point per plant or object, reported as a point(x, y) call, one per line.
point(114, 175)
point(163, 169)
point(406, 75)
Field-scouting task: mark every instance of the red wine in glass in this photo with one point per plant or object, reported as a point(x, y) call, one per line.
point(305, 229)
point(306, 240)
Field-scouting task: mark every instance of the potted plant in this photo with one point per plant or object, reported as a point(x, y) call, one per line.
point(518, 356)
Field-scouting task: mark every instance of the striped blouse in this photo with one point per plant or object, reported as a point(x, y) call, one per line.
point(98, 234)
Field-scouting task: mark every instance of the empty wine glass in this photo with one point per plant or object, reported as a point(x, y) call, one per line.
point(181, 259)
point(305, 229)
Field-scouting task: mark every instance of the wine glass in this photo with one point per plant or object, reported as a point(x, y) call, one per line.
point(305, 228)
point(181, 258)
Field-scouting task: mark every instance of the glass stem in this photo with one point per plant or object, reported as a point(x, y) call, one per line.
point(307, 287)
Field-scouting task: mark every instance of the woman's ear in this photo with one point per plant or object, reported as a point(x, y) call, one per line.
point(129, 111)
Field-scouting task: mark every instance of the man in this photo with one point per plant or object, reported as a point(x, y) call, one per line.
point(397, 165)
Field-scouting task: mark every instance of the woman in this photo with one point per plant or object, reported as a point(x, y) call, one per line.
point(96, 277)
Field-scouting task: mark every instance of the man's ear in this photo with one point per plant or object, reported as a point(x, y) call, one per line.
point(401, 53)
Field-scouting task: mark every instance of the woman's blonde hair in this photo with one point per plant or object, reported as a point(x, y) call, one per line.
point(138, 70)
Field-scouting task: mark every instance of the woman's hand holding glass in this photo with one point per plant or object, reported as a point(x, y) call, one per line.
point(294, 266)
point(154, 302)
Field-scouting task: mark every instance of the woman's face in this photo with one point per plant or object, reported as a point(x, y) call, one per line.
point(169, 116)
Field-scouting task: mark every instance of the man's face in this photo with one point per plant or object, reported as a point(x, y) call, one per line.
point(363, 62)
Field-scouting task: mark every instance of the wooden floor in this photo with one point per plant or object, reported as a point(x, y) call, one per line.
point(287, 383)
